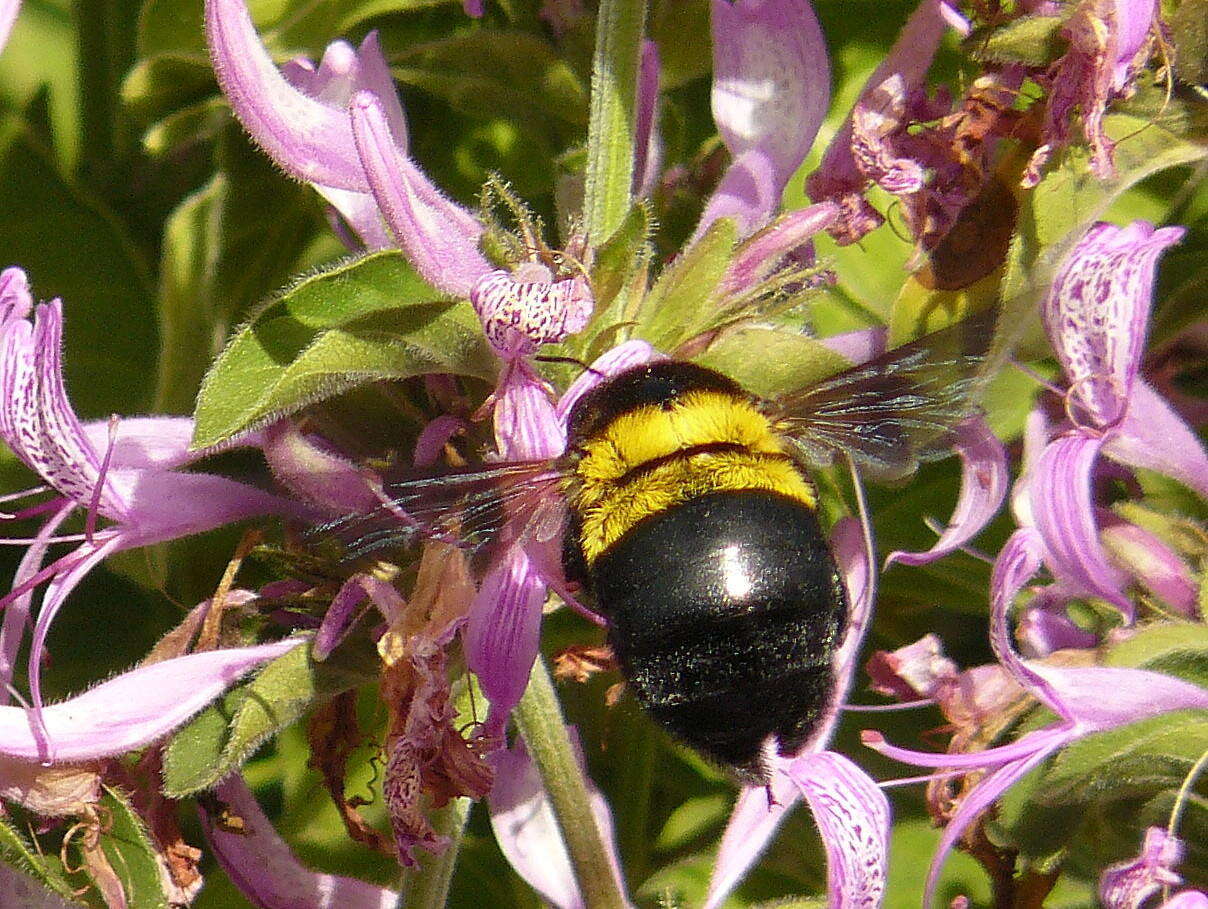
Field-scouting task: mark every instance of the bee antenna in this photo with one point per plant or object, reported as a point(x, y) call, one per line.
point(574, 361)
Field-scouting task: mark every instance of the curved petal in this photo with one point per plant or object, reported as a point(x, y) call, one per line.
point(752, 823)
point(771, 89)
point(1156, 566)
point(166, 505)
point(1064, 512)
point(974, 803)
point(521, 311)
point(527, 427)
point(438, 236)
point(134, 709)
point(144, 441)
point(1136, 694)
point(614, 362)
point(647, 143)
point(526, 829)
point(1128, 884)
point(853, 818)
point(1097, 309)
point(756, 258)
point(502, 633)
point(267, 872)
point(307, 138)
point(984, 476)
point(1152, 436)
point(16, 302)
point(314, 472)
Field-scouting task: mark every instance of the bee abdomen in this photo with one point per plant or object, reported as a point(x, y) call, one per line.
point(724, 613)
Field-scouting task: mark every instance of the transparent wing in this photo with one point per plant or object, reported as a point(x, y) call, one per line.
point(896, 410)
point(472, 508)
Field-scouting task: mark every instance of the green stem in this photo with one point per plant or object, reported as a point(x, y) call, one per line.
point(539, 718)
point(428, 886)
point(612, 117)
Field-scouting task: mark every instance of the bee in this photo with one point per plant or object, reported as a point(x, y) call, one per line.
point(689, 521)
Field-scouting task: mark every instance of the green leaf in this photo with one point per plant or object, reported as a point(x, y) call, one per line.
point(1174, 648)
point(17, 852)
point(1030, 40)
point(131, 853)
point(769, 362)
point(694, 818)
point(489, 73)
point(369, 319)
point(684, 299)
point(1127, 765)
point(223, 736)
point(74, 248)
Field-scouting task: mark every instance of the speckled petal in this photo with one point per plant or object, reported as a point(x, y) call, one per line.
point(521, 311)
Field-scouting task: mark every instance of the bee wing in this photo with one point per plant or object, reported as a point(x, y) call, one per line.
point(896, 410)
point(471, 508)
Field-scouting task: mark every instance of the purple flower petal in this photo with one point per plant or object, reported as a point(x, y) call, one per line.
point(918, 670)
point(1154, 564)
point(771, 88)
point(1152, 436)
point(8, 15)
point(527, 427)
point(984, 476)
point(16, 302)
point(527, 830)
point(267, 872)
point(502, 633)
point(17, 889)
point(439, 236)
point(134, 709)
point(859, 346)
point(647, 144)
point(307, 138)
point(524, 309)
point(1097, 309)
point(339, 618)
point(853, 818)
point(752, 823)
point(314, 472)
point(1128, 884)
point(1064, 512)
point(759, 256)
point(879, 114)
point(614, 362)
point(144, 441)
point(1044, 625)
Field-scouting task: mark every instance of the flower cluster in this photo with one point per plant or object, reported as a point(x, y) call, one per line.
point(443, 632)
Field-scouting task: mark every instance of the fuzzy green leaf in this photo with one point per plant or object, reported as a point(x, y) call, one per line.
point(223, 736)
point(769, 362)
point(367, 320)
point(131, 853)
point(17, 852)
point(683, 301)
point(1030, 40)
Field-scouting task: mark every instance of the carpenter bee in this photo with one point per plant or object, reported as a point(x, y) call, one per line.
point(689, 521)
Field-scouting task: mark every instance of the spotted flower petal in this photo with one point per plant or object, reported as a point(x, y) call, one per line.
point(984, 477)
point(266, 870)
point(133, 709)
point(771, 87)
point(522, 310)
point(1097, 309)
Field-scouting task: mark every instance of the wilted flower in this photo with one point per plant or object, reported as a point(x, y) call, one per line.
point(1130, 883)
point(1108, 44)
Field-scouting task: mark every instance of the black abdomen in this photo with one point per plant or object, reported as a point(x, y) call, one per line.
point(724, 612)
